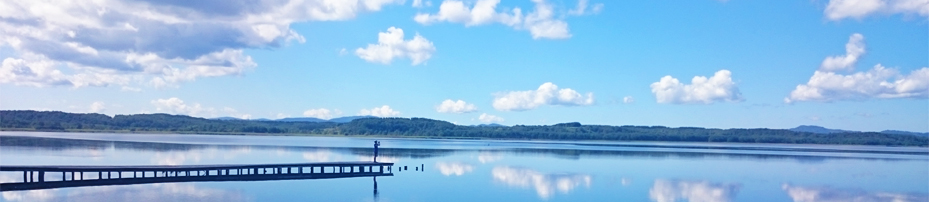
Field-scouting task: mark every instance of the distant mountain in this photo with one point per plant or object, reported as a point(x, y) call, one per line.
point(817, 129)
point(302, 119)
point(349, 118)
point(490, 125)
point(822, 130)
point(898, 132)
point(226, 118)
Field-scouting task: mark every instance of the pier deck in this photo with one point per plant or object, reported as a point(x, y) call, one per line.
point(47, 177)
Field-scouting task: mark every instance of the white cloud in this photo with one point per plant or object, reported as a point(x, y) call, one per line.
point(546, 185)
point(130, 89)
point(97, 107)
point(391, 45)
point(421, 3)
point(458, 107)
point(628, 100)
point(825, 194)
point(383, 111)
point(541, 22)
point(547, 94)
point(858, 9)
point(880, 82)
point(454, 168)
point(719, 87)
point(175, 105)
point(487, 118)
point(671, 191)
point(582, 8)
point(483, 12)
point(854, 48)
point(110, 42)
point(322, 113)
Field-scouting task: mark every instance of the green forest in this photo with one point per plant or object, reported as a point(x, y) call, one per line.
point(27, 120)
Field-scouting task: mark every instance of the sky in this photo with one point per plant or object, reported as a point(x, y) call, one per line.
point(843, 64)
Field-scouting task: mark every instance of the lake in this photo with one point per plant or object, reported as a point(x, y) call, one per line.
point(483, 170)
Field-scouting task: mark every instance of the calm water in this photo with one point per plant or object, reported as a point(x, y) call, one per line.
point(484, 170)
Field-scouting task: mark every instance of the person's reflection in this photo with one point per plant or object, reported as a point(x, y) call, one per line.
point(375, 179)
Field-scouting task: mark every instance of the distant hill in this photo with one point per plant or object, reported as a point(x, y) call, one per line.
point(817, 129)
point(28, 120)
point(226, 118)
point(898, 132)
point(490, 125)
point(822, 130)
point(301, 119)
point(349, 118)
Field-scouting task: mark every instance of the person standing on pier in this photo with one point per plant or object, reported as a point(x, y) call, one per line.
point(377, 143)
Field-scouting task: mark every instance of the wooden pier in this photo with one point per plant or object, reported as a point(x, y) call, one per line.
point(37, 177)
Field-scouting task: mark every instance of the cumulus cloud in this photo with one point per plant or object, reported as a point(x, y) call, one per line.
point(719, 87)
point(858, 9)
point(454, 168)
point(879, 82)
point(458, 107)
point(111, 42)
point(175, 105)
point(383, 111)
point(322, 113)
point(546, 185)
point(541, 22)
point(582, 8)
point(628, 100)
point(547, 94)
point(487, 118)
point(825, 194)
point(391, 44)
point(854, 48)
point(97, 107)
point(673, 190)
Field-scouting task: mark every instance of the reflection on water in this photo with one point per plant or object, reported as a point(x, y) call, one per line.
point(693, 191)
point(136, 193)
point(545, 184)
point(462, 170)
point(454, 168)
point(827, 194)
point(323, 155)
point(489, 157)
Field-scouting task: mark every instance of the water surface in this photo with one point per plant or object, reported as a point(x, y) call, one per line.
point(482, 170)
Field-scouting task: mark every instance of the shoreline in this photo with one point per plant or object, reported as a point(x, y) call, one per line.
point(542, 141)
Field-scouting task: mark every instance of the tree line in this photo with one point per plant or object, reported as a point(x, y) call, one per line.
point(428, 128)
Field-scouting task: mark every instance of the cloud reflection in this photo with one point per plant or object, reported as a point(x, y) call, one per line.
point(693, 191)
point(825, 194)
point(137, 193)
point(454, 168)
point(545, 184)
point(183, 157)
point(488, 157)
point(320, 156)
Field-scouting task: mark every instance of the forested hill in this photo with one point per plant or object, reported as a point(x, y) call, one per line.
point(421, 127)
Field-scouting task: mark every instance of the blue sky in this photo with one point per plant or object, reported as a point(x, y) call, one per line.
point(855, 65)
